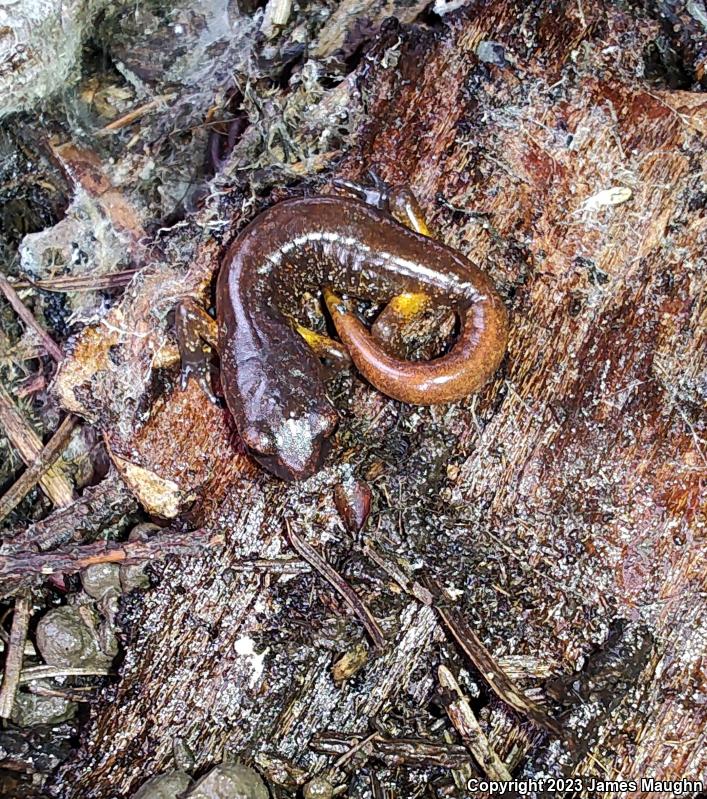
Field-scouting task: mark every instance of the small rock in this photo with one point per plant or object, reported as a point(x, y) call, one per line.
point(183, 755)
point(318, 788)
point(133, 577)
point(32, 709)
point(100, 579)
point(107, 635)
point(164, 786)
point(230, 781)
point(65, 638)
point(349, 664)
point(143, 531)
point(279, 771)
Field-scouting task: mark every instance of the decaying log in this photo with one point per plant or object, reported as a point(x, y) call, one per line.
point(563, 497)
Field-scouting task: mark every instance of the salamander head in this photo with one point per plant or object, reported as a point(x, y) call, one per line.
point(291, 445)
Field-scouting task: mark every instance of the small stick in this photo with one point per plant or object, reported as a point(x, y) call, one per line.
point(315, 163)
point(376, 789)
point(136, 113)
point(462, 717)
point(81, 282)
point(29, 446)
point(339, 584)
point(26, 482)
point(497, 679)
point(27, 565)
point(355, 748)
point(14, 656)
point(50, 672)
point(82, 521)
point(26, 316)
point(86, 694)
point(412, 752)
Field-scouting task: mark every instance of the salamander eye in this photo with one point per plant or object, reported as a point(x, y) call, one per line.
point(258, 440)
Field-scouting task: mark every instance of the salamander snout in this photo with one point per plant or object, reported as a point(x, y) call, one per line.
point(293, 447)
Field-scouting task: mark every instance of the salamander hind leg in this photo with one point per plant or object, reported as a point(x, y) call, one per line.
point(398, 201)
point(193, 327)
point(413, 325)
point(406, 209)
point(331, 352)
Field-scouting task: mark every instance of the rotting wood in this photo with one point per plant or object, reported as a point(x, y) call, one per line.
point(85, 169)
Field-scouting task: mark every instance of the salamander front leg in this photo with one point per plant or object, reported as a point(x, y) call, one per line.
point(193, 327)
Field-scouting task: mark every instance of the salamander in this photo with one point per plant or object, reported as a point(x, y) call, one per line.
point(371, 244)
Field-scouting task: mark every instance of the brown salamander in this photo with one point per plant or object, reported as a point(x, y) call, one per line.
point(339, 247)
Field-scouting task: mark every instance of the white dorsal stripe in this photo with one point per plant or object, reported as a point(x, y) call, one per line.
point(387, 260)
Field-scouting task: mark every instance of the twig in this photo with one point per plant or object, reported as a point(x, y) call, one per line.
point(26, 316)
point(19, 490)
point(27, 565)
point(14, 656)
point(376, 790)
point(85, 694)
point(51, 672)
point(412, 752)
point(136, 113)
point(29, 446)
point(462, 717)
point(499, 682)
point(315, 163)
point(397, 574)
point(339, 584)
point(68, 283)
point(355, 748)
